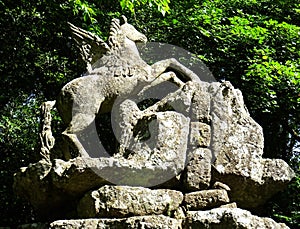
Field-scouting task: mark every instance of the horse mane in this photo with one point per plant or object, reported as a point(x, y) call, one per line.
point(116, 36)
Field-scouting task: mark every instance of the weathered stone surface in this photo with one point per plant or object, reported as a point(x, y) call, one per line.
point(179, 213)
point(230, 205)
point(203, 126)
point(237, 147)
point(276, 172)
point(205, 199)
point(220, 185)
point(234, 133)
point(201, 102)
point(33, 176)
point(124, 201)
point(149, 222)
point(197, 174)
point(80, 175)
point(254, 193)
point(167, 140)
point(228, 218)
point(200, 134)
point(33, 183)
point(46, 138)
point(49, 187)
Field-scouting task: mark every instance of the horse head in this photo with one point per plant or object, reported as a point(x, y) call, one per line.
point(124, 36)
point(131, 33)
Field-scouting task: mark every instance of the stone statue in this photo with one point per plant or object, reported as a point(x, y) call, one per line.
point(46, 139)
point(203, 165)
point(119, 72)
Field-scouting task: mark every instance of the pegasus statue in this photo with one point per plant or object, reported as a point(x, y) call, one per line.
point(114, 69)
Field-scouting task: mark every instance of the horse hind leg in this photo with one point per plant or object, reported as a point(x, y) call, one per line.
point(72, 135)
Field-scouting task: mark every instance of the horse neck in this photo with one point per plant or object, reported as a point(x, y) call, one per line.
point(130, 50)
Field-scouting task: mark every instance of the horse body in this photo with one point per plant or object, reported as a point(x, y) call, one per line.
point(118, 73)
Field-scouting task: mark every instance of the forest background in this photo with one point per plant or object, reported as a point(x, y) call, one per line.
point(253, 44)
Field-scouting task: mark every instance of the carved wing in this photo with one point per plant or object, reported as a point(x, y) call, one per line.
point(91, 46)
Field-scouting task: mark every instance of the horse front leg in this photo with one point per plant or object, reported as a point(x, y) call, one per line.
point(164, 77)
point(161, 66)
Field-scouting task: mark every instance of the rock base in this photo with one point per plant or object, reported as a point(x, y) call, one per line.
point(215, 218)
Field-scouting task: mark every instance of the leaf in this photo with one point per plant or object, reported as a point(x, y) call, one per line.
point(174, 21)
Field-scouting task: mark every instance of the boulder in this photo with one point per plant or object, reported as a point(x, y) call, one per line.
point(124, 201)
point(34, 184)
point(54, 189)
point(237, 149)
point(228, 218)
point(205, 199)
point(149, 222)
point(164, 139)
point(197, 174)
point(221, 143)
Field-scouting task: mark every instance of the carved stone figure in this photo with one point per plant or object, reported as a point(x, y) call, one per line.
point(46, 139)
point(119, 72)
point(197, 148)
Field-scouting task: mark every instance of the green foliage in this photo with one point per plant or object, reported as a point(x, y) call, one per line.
point(18, 141)
point(285, 205)
point(162, 5)
point(245, 42)
point(254, 44)
point(88, 11)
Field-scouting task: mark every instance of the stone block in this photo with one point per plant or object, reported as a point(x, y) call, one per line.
point(124, 201)
point(135, 222)
point(205, 199)
point(228, 218)
point(197, 174)
point(200, 134)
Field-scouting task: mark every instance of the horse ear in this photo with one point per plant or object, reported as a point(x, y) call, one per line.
point(125, 19)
